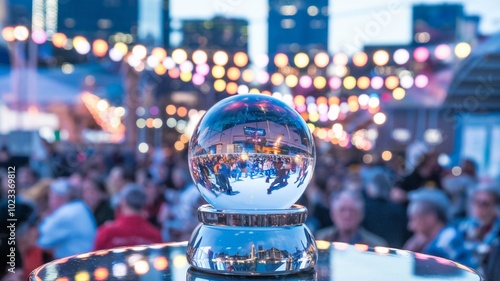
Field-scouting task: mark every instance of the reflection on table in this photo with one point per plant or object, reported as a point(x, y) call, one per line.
point(337, 261)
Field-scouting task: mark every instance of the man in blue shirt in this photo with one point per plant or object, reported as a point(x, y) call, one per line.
point(69, 228)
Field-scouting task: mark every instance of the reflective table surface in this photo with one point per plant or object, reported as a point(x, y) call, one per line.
point(337, 262)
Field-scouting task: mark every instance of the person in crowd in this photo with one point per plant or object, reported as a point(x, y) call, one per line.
point(39, 195)
point(26, 237)
point(347, 214)
point(119, 176)
point(5, 158)
point(426, 174)
point(95, 195)
point(482, 229)
point(69, 228)
point(130, 227)
point(154, 199)
point(25, 178)
point(492, 269)
point(180, 219)
point(382, 216)
point(428, 218)
point(459, 187)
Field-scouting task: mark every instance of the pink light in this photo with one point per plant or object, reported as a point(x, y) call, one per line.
point(263, 77)
point(442, 52)
point(305, 82)
point(385, 97)
point(39, 36)
point(377, 82)
point(335, 83)
point(421, 81)
point(174, 73)
point(323, 118)
point(301, 108)
point(203, 69)
point(421, 54)
point(198, 79)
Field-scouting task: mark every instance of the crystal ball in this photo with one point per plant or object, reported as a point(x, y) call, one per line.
point(251, 152)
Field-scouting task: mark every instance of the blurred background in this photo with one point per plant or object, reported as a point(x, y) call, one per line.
point(400, 95)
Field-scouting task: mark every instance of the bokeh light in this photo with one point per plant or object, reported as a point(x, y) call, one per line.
point(377, 82)
point(199, 57)
point(386, 155)
point(398, 93)
point(159, 53)
point(291, 81)
point(363, 82)
point(248, 75)
point(462, 50)
point(421, 81)
point(99, 48)
point(335, 82)
point(219, 85)
point(360, 59)
point(218, 71)
point(220, 58)
point(340, 59)
point(21, 33)
point(301, 60)
point(401, 56)
point(277, 79)
point(280, 60)
point(442, 52)
point(421, 54)
point(233, 73)
point(8, 34)
point(321, 59)
point(380, 57)
point(82, 46)
point(305, 81)
point(139, 51)
point(379, 118)
point(240, 59)
point(319, 82)
point(179, 56)
point(349, 82)
point(39, 36)
point(391, 82)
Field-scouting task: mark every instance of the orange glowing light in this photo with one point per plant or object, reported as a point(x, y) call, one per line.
point(160, 263)
point(59, 40)
point(232, 88)
point(99, 48)
point(240, 59)
point(233, 73)
point(101, 273)
point(182, 111)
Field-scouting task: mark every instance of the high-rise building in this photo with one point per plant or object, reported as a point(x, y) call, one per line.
point(297, 25)
point(154, 22)
point(442, 23)
point(97, 18)
point(218, 33)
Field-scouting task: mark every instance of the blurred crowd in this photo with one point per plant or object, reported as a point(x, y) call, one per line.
point(79, 199)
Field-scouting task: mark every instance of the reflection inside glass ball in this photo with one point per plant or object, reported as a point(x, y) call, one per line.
point(251, 152)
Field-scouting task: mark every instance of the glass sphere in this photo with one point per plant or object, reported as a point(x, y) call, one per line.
point(251, 152)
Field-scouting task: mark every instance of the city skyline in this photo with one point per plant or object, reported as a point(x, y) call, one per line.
point(376, 23)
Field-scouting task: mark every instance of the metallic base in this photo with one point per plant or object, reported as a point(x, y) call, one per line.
point(252, 242)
